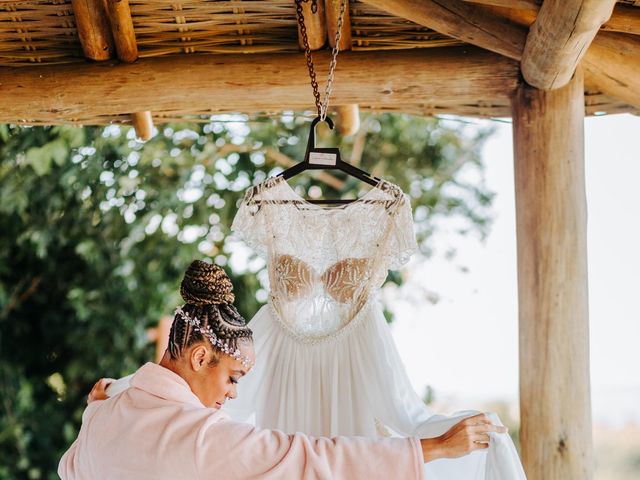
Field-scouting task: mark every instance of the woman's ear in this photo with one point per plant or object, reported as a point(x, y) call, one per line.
point(198, 357)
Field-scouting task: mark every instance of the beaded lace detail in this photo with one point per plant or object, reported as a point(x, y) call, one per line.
point(325, 263)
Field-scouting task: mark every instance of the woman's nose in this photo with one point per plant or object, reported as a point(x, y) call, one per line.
point(233, 393)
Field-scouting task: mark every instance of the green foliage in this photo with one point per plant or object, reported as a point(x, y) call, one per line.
point(97, 228)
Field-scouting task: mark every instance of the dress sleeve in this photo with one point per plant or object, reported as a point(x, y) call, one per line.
point(249, 224)
point(402, 241)
point(236, 450)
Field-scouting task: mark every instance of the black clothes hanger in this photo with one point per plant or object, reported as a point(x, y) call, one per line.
point(317, 158)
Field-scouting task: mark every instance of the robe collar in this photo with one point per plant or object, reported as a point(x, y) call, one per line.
point(162, 382)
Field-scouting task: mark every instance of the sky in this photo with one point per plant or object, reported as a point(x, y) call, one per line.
point(465, 346)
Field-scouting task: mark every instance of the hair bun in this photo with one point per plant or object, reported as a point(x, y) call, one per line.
point(206, 284)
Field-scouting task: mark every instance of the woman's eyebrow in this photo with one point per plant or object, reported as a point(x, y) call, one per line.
point(241, 372)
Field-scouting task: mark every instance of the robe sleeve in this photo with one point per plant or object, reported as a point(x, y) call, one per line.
point(69, 466)
point(233, 450)
point(66, 466)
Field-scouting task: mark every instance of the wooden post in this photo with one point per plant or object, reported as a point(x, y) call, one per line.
point(551, 220)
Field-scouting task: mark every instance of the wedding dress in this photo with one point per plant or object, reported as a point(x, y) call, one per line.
point(326, 362)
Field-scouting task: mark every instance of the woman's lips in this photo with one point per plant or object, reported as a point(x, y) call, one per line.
point(218, 405)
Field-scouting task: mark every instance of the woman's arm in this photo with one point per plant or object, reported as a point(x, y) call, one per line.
point(246, 452)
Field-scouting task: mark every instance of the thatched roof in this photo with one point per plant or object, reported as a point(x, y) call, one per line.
point(39, 38)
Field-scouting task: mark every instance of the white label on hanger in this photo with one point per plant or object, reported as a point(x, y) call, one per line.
point(318, 158)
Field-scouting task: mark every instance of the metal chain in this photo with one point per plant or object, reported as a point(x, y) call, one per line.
point(307, 50)
point(324, 106)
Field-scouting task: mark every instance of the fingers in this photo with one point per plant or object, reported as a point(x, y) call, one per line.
point(481, 438)
point(98, 390)
point(105, 382)
point(480, 446)
point(484, 428)
point(479, 418)
point(483, 423)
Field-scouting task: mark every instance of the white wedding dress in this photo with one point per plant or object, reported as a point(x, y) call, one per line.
point(326, 362)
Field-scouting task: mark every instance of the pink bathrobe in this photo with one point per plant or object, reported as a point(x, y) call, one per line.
point(159, 429)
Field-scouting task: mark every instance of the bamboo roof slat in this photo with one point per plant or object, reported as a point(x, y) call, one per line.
point(37, 32)
point(40, 33)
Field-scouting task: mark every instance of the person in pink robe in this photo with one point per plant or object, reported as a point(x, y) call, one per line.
point(169, 425)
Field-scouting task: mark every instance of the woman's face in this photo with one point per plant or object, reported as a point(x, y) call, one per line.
point(214, 384)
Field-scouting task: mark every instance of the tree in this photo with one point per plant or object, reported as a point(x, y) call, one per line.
point(97, 229)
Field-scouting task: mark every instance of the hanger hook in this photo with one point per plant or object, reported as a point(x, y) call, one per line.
point(312, 131)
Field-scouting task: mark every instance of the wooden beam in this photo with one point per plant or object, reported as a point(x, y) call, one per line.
point(460, 20)
point(517, 4)
point(93, 27)
point(624, 19)
point(612, 66)
point(559, 38)
point(511, 40)
point(551, 224)
point(315, 25)
point(236, 82)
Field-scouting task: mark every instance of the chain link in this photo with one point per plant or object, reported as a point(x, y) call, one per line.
point(324, 105)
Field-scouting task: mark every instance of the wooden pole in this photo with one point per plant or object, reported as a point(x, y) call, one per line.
point(127, 50)
point(551, 221)
point(122, 28)
point(143, 124)
point(348, 119)
point(332, 15)
point(93, 27)
point(612, 65)
point(315, 25)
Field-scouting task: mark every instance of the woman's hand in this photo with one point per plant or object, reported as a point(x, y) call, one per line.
point(464, 437)
point(98, 392)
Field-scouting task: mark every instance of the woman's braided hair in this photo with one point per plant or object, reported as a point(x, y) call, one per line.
point(208, 293)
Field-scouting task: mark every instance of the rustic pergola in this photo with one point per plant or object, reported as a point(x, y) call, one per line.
point(544, 64)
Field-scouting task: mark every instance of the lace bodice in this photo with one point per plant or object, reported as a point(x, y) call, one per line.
point(325, 263)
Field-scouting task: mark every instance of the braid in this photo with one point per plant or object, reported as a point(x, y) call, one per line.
point(207, 291)
point(175, 336)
